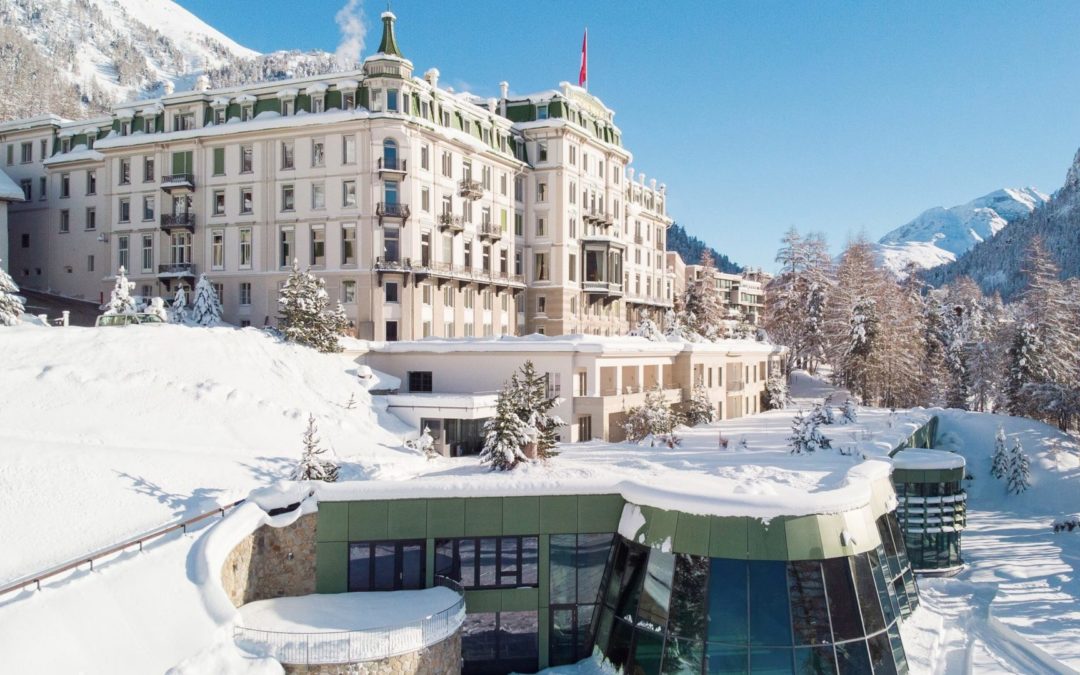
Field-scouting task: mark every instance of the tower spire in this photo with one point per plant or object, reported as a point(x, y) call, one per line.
point(388, 44)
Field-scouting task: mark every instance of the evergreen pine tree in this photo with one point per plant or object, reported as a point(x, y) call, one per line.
point(340, 319)
point(120, 300)
point(11, 305)
point(648, 329)
point(179, 306)
point(206, 309)
point(849, 411)
point(312, 466)
point(999, 463)
point(653, 419)
point(776, 392)
point(703, 308)
point(1019, 469)
point(304, 317)
point(700, 409)
point(1022, 362)
point(806, 435)
point(535, 405)
point(505, 434)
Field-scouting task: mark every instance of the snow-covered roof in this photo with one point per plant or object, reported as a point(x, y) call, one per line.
point(626, 344)
point(9, 191)
point(80, 153)
point(922, 458)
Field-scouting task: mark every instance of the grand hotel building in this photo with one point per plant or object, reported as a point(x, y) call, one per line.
point(428, 212)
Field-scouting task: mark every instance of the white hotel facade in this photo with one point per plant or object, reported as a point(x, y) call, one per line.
point(428, 212)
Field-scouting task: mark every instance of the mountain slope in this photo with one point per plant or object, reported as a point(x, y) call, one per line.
point(939, 236)
point(996, 264)
point(85, 55)
point(690, 249)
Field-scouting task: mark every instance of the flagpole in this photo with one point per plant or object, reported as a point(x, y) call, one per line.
point(586, 58)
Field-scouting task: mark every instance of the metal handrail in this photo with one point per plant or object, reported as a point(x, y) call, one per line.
point(368, 644)
point(75, 563)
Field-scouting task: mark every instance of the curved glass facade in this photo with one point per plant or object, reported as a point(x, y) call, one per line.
point(932, 514)
point(663, 612)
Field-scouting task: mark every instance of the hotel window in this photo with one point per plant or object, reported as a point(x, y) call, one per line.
point(541, 152)
point(448, 329)
point(318, 104)
point(426, 329)
point(288, 202)
point(448, 296)
point(519, 220)
point(247, 200)
point(392, 100)
point(27, 186)
point(318, 152)
point(391, 245)
point(486, 297)
point(287, 246)
point(573, 156)
point(572, 268)
point(246, 112)
point(247, 158)
point(43, 185)
point(91, 218)
point(348, 244)
point(447, 164)
point(445, 118)
point(125, 211)
point(348, 100)
point(390, 291)
point(91, 182)
point(425, 150)
point(541, 269)
point(541, 230)
point(219, 116)
point(90, 263)
point(348, 292)
point(219, 202)
point(27, 152)
point(318, 246)
point(184, 121)
point(541, 191)
point(391, 331)
point(348, 193)
point(219, 161)
point(426, 295)
point(217, 249)
point(318, 196)
point(65, 146)
point(425, 200)
point(148, 169)
point(573, 192)
point(489, 562)
point(65, 185)
point(147, 252)
point(470, 298)
point(245, 248)
point(541, 305)
point(123, 251)
point(468, 255)
point(288, 158)
point(44, 148)
point(542, 112)
point(287, 108)
point(348, 149)
point(245, 294)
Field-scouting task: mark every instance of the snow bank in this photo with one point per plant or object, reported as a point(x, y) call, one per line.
point(922, 458)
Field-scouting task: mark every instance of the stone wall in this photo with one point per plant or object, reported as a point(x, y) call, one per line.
point(272, 562)
point(443, 658)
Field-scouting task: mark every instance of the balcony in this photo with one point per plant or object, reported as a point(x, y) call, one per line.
point(490, 231)
point(638, 239)
point(171, 221)
point(397, 211)
point(735, 386)
point(607, 290)
point(470, 189)
point(448, 221)
point(178, 182)
point(177, 270)
point(391, 165)
point(443, 270)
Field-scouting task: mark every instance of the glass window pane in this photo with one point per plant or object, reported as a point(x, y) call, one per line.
point(873, 620)
point(648, 649)
point(360, 567)
point(770, 661)
point(478, 637)
point(688, 597)
point(487, 562)
point(467, 558)
point(444, 559)
point(563, 578)
point(592, 555)
point(585, 614)
point(385, 574)
point(683, 657)
point(518, 635)
point(843, 603)
point(508, 560)
point(656, 589)
point(603, 629)
point(618, 650)
point(530, 560)
point(630, 588)
point(618, 566)
point(770, 623)
point(851, 657)
point(899, 657)
point(889, 606)
point(809, 611)
point(562, 637)
point(727, 601)
point(726, 660)
point(881, 657)
point(815, 661)
point(412, 566)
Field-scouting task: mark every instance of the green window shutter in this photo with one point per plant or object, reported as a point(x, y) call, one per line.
point(181, 162)
point(219, 161)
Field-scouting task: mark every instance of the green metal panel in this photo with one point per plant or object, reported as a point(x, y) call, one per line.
point(333, 99)
point(267, 104)
point(483, 601)
point(333, 522)
point(804, 539)
point(556, 109)
point(519, 599)
point(599, 513)
point(407, 519)
point(756, 548)
point(558, 514)
point(544, 637)
point(368, 520)
point(776, 539)
point(331, 567)
point(232, 110)
point(446, 518)
point(727, 537)
point(661, 526)
point(483, 516)
point(521, 515)
point(182, 162)
point(303, 102)
point(831, 528)
point(692, 534)
point(544, 573)
point(429, 563)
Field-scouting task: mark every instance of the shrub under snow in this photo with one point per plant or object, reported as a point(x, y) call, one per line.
point(806, 434)
point(120, 300)
point(206, 310)
point(11, 306)
point(654, 420)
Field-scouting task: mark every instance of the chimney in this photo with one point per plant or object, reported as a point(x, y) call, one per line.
point(504, 91)
point(641, 178)
point(492, 104)
point(652, 184)
point(169, 87)
point(432, 77)
point(630, 173)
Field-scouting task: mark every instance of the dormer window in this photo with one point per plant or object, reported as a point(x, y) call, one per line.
point(287, 108)
point(125, 128)
point(541, 152)
point(542, 112)
point(183, 121)
point(446, 118)
point(219, 115)
point(65, 145)
point(318, 104)
point(90, 142)
point(425, 109)
point(246, 112)
point(348, 100)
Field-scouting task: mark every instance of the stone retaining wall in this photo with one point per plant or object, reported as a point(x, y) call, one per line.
point(443, 658)
point(272, 562)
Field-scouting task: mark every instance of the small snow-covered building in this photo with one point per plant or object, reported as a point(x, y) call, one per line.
point(9, 192)
point(932, 508)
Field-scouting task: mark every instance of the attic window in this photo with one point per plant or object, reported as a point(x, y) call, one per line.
point(542, 112)
point(219, 115)
point(245, 112)
point(318, 104)
point(348, 100)
point(392, 100)
point(65, 145)
point(125, 128)
point(287, 108)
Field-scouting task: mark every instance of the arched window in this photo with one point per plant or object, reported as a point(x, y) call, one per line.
point(390, 154)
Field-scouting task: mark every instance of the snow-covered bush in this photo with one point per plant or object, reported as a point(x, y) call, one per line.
point(823, 413)
point(806, 434)
point(312, 466)
point(523, 424)
point(776, 392)
point(648, 329)
point(999, 462)
point(120, 300)
point(505, 434)
point(11, 306)
point(157, 308)
point(179, 306)
point(340, 319)
point(849, 411)
point(206, 309)
point(304, 316)
point(425, 443)
point(654, 420)
point(1019, 469)
point(700, 409)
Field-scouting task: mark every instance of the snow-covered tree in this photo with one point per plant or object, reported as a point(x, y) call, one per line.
point(206, 309)
point(179, 306)
point(999, 463)
point(823, 413)
point(312, 466)
point(648, 329)
point(425, 443)
point(702, 305)
point(535, 403)
point(505, 434)
point(120, 300)
point(11, 305)
point(806, 435)
point(777, 396)
point(523, 415)
point(654, 419)
point(157, 308)
point(1019, 469)
point(304, 317)
point(340, 319)
point(849, 411)
point(700, 409)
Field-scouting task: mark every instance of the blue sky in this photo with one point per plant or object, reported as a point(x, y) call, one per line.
point(836, 117)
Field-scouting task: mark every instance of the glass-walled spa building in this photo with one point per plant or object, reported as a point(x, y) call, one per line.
point(932, 507)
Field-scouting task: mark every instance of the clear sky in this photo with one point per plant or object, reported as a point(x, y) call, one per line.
point(834, 117)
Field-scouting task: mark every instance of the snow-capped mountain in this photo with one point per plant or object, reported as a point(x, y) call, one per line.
point(84, 55)
point(939, 235)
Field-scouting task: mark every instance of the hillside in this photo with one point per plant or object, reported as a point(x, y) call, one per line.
point(940, 235)
point(996, 264)
point(77, 57)
point(690, 249)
